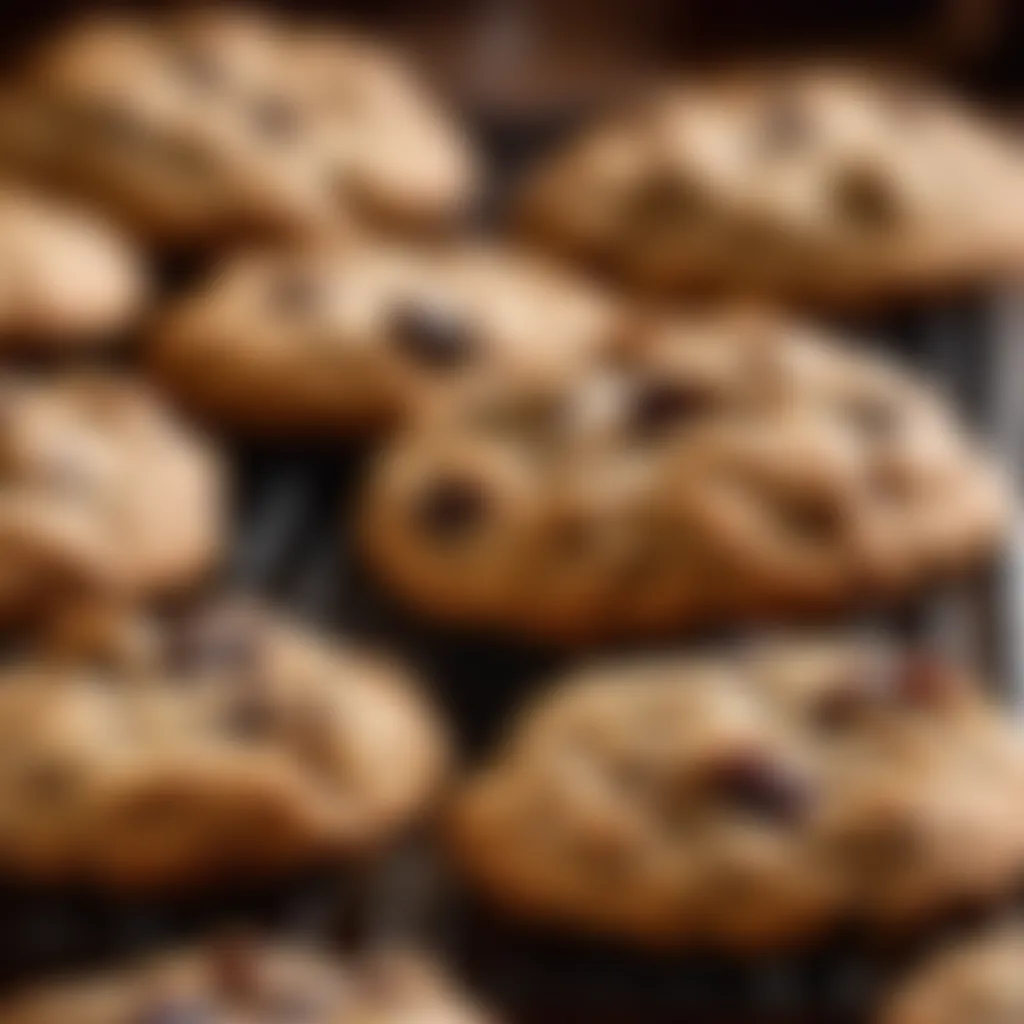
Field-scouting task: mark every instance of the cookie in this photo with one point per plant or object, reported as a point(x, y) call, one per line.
point(722, 467)
point(371, 109)
point(354, 338)
point(747, 800)
point(829, 187)
point(229, 980)
point(103, 491)
point(976, 980)
point(221, 744)
point(204, 129)
point(108, 112)
point(69, 280)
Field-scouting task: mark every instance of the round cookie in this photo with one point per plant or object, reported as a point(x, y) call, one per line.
point(748, 800)
point(978, 980)
point(68, 280)
point(224, 744)
point(232, 980)
point(723, 466)
point(371, 110)
point(822, 186)
point(354, 338)
point(110, 111)
point(102, 491)
point(204, 128)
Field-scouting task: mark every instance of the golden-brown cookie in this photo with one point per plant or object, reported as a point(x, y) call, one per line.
point(397, 159)
point(353, 338)
point(974, 981)
point(748, 799)
point(103, 491)
point(817, 185)
point(210, 127)
point(225, 981)
point(109, 112)
point(725, 466)
point(224, 744)
point(68, 280)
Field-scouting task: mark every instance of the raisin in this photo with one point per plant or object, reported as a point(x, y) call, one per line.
point(661, 201)
point(451, 508)
point(842, 707)
point(432, 335)
point(661, 405)
point(810, 518)
point(764, 787)
point(865, 199)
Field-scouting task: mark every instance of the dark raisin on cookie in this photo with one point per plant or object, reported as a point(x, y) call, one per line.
point(810, 518)
point(450, 508)
point(662, 200)
point(865, 198)
point(843, 706)
point(432, 334)
point(763, 786)
point(663, 405)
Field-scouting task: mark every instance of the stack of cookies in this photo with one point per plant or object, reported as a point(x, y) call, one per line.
point(624, 419)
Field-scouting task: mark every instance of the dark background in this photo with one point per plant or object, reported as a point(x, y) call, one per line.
point(513, 51)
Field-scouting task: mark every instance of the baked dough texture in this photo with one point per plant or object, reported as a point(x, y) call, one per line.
point(824, 186)
point(748, 800)
point(718, 467)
